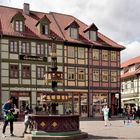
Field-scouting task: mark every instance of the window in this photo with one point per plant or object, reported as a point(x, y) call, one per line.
point(132, 68)
point(25, 48)
point(132, 84)
point(19, 25)
point(74, 33)
point(13, 47)
point(104, 55)
point(92, 35)
point(71, 52)
point(96, 75)
point(26, 71)
point(113, 56)
point(14, 71)
point(105, 76)
point(40, 49)
point(81, 74)
point(113, 76)
point(49, 49)
point(95, 54)
point(81, 53)
point(71, 74)
point(126, 86)
point(40, 72)
point(99, 100)
point(45, 29)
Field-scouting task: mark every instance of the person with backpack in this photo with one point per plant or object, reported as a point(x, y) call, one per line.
point(8, 116)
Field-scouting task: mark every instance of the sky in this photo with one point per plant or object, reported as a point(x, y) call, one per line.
point(117, 19)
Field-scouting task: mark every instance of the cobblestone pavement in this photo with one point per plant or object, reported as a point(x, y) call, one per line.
point(95, 129)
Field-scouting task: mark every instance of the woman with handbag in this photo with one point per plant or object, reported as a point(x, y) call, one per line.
point(8, 116)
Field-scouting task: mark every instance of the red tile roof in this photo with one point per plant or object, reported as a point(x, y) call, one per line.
point(128, 74)
point(131, 62)
point(58, 23)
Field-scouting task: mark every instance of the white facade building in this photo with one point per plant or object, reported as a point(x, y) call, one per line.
point(130, 82)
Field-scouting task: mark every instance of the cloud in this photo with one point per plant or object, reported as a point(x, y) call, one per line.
point(131, 51)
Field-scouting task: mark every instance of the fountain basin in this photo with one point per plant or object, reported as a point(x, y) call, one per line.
point(56, 123)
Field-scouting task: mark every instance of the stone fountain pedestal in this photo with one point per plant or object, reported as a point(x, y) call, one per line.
point(56, 127)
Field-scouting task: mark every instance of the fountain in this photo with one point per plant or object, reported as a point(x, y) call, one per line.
point(54, 124)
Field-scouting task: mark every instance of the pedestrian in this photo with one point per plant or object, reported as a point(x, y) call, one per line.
point(27, 122)
point(129, 115)
point(8, 116)
point(105, 114)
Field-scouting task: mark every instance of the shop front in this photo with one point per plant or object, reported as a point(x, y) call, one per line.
point(60, 103)
point(21, 100)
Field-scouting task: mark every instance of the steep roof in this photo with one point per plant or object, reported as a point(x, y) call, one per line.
point(58, 23)
point(129, 74)
point(131, 62)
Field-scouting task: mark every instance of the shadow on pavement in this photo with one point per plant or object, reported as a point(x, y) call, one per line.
point(101, 137)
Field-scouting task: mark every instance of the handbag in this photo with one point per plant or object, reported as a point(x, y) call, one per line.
point(9, 116)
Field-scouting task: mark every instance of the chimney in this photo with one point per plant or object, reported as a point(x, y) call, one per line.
point(26, 8)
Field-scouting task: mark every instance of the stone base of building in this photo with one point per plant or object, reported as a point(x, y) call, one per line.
point(40, 135)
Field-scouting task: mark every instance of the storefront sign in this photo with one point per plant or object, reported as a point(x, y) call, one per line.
point(32, 58)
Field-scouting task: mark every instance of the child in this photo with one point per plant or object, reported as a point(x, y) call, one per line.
point(27, 122)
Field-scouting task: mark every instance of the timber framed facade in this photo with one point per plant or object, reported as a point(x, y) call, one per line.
point(89, 60)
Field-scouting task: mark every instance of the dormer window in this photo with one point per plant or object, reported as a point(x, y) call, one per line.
point(91, 32)
point(43, 25)
point(18, 22)
point(45, 29)
point(19, 25)
point(74, 33)
point(93, 35)
point(73, 30)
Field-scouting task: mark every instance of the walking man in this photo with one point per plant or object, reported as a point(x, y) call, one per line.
point(8, 116)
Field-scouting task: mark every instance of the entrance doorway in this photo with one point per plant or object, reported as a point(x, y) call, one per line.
point(23, 102)
point(54, 108)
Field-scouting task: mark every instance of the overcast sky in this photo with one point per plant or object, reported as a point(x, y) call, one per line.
point(117, 19)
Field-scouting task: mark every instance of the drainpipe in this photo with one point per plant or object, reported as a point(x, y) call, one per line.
point(0, 75)
point(89, 103)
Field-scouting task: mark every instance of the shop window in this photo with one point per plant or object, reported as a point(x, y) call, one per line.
point(81, 74)
point(40, 72)
point(99, 100)
point(40, 49)
point(105, 76)
point(96, 75)
point(68, 104)
point(71, 52)
point(25, 48)
point(113, 76)
point(26, 71)
point(95, 54)
point(105, 55)
point(13, 47)
point(76, 104)
point(84, 110)
point(14, 71)
point(113, 56)
point(81, 53)
point(71, 74)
